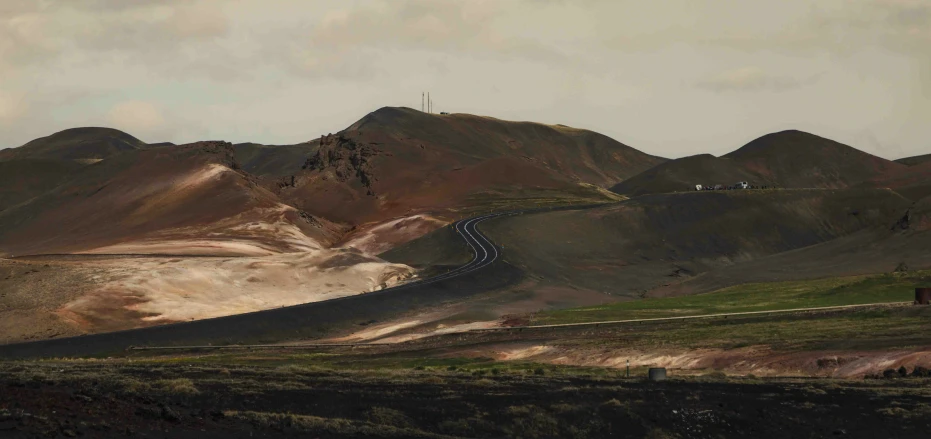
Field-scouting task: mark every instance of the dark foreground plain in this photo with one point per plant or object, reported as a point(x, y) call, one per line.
point(267, 395)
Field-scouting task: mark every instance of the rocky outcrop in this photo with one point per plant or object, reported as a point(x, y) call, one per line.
point(346, 158)
point(222, 149)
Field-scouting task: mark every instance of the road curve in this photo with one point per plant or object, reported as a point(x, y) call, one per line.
point(486, 271)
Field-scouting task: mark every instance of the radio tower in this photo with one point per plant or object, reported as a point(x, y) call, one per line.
point(429, 103)
point(421, 102)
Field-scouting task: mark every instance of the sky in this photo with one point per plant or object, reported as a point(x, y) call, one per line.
point(669, 77)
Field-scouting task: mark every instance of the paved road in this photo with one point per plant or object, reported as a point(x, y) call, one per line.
point(485, 272)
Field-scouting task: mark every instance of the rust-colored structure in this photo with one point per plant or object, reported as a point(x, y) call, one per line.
point(922, 296)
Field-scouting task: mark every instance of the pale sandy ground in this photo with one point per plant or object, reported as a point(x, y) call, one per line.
point(257, 232)
point(756, 360)
point(381, 237)
point(264, 257)
point(451, 319)
point(382, 333)
point(161, 290)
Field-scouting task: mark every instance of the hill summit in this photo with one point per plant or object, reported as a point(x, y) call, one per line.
point(790, 159)
point(76, 144)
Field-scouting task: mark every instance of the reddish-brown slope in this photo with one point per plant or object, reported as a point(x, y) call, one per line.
point(170, 193)
point(395, 161)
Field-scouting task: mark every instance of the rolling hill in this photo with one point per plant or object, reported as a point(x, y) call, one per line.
point(646, 242)
point(399, 161)
point(188, 195)
point(683, 174)
point(86, 144)
point(411, 169)
point(915, 160)
point(790, 159)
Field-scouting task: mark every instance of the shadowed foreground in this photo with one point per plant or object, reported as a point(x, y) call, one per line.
point(205, 400)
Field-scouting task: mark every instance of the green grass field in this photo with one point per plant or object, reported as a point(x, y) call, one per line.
point(898, 287)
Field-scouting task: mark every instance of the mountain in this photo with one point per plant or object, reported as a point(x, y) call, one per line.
point(399, 161)
point(84, 189)
point(915, 160)
point(799, 159)
point(683, 174)
point(174, 199)
point(789, 159)
point(629, 248)
point(86, 144)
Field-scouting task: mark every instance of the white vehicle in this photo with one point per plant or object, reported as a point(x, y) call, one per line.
point(697, 187)
point(741, 185)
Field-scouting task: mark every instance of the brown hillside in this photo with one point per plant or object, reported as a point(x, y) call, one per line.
point(646, 242)
point(173, 194)
point(396, 161)
point(913, 181)
point(76, 144)
point(683, 174)
point(798, 159)
point(273, 160)
point(24, 179)
point(789, 159)
point(915, 160)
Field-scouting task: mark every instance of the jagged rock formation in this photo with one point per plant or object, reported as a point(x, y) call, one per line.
point(346, 158)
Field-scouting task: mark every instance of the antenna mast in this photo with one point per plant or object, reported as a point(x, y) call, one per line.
point(421, 102)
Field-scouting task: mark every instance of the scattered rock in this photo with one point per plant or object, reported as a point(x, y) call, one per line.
point(170, 415)
point(903, 223)
point(345, 158)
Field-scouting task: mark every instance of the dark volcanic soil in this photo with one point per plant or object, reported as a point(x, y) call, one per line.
point(630, 248)
point(107, 399)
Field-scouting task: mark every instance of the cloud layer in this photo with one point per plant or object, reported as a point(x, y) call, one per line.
point(672, 77)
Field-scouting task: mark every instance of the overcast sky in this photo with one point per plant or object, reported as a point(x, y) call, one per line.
point(669, 77)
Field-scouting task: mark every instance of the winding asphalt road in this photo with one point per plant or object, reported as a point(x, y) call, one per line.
point(485, 272)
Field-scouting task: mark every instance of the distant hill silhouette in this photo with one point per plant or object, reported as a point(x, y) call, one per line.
point(915, 160)
point(790, 159)
point(76, 143)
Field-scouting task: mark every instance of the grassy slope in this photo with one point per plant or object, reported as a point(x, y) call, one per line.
point(755, 297)
point(860, 330)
